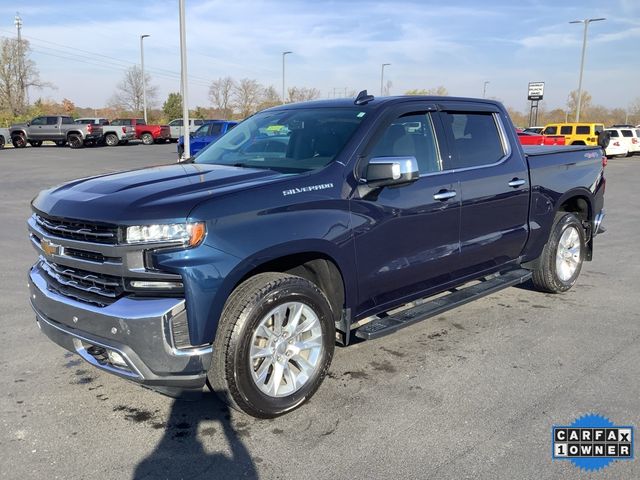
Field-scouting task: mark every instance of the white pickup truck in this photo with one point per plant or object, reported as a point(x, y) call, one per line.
point(177, 127)
point(112, 135)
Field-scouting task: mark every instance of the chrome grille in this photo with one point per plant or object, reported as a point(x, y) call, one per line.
point(70, 279)
point(78, 230)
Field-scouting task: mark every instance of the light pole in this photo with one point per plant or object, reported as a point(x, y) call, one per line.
point(586, 22)
point(183, 82)
point(484, 89)
point(382, 78)
point(144, 86)
point(284, 54)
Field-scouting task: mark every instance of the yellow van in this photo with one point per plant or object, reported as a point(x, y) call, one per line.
point(576, 133)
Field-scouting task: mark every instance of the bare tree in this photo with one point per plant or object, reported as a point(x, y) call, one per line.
point(220, 94)
point(17, 74)
point(246, 96)
point(572, 103)
point(270, 98)
point(128, 94)
point(302, 94)
point(439, 91)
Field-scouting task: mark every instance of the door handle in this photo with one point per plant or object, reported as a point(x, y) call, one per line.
point(444, 195)
point(516, 182)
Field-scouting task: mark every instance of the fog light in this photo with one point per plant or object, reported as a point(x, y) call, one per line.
point(116, 359)
point(151, 285)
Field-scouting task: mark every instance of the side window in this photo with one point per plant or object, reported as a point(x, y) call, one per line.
point(550, 131)
point(566, 130)
point(215, 129)
point(627, 133)
point(53, 120)
point(39, 121)
point(583, 130)
point(198, 122)
point(476, 139)
point(68, 121)
point(176, 123)
point(613, 133)
point(410, 135)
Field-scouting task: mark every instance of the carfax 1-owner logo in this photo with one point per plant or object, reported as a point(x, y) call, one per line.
point(592, 442)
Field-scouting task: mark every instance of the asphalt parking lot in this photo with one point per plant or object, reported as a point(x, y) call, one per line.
point(470, 394)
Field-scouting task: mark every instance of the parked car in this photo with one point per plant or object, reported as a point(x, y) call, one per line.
point(112, 135)
point(204, 135)
point(149, 134)
point(578, 133)
point(627, 138)
point(5, 136)
point(60, 129)
point(535, 139)
point(177, 127)
point(616, 147)
point(242, 268)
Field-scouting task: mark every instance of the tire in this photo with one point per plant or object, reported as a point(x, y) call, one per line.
point(147, 138)
point(552, 273)
point(111, 140)
point(75, 141)
point(19, 141)
point(233, 376)
point(35, 143)
point(1, 142)
point(61, 143)
point(603, 139)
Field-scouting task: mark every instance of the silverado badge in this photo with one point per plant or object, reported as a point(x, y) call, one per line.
point(49, 247)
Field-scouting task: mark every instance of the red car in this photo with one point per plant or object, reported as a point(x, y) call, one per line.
point(533, 139)
point(149, 134)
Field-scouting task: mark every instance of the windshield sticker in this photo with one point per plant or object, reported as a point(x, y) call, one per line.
point(310, 188)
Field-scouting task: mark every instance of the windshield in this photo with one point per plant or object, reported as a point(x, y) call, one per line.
point(202, 131)
point(287, 141)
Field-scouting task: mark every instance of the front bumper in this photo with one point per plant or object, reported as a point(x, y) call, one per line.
point(138, 329)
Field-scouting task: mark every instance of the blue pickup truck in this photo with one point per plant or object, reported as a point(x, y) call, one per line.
point(210, 131)
point(306, 225)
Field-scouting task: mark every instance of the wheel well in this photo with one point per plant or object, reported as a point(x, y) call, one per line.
point(316, 268)
point(578, 205)
point(74, 132)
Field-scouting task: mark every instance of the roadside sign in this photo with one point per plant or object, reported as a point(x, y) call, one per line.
point(536, 91)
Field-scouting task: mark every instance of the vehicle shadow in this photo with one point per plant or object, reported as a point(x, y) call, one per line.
point(181, 454)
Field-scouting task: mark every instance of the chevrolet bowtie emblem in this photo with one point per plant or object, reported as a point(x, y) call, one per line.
point(49, 247)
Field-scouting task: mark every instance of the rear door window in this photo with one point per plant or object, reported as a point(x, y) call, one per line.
point(583, 130)
point(215, 128)
point(566, 130)
point(627, 133)
point(476, 139)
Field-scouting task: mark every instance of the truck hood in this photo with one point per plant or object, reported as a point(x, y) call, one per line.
point(164, 193)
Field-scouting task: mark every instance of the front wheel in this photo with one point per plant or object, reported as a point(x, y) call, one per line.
point(559, 265)
point(274, 345)
point(18, 141)
point(147, 138)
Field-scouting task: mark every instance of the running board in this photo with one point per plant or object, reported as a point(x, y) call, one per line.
point(386, 325)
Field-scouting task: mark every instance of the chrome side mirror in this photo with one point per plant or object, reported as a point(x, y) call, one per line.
point(386, 171)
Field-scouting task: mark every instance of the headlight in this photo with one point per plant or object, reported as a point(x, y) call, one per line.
point(190, 234)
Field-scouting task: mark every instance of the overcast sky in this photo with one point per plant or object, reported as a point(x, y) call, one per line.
point(83, 47)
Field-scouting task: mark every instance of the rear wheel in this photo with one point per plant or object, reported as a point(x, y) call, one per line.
point(559, 265)
point(274, 345)
point(18, 141)
point(75, 141)
point(147, 138)
point(111, 139)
